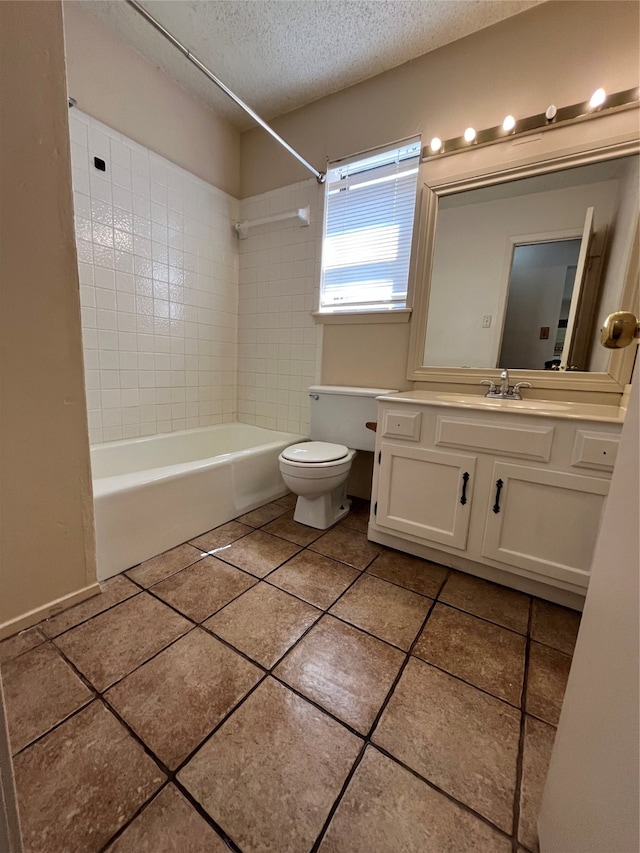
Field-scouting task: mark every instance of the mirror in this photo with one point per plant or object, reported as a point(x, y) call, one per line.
point(525, 265)
point(515, 270)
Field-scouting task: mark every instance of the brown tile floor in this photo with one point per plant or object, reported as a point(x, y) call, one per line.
point(268, 688)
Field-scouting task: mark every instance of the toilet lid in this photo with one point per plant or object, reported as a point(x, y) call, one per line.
point(315, 451)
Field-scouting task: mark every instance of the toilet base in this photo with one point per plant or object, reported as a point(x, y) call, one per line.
point(323, 511)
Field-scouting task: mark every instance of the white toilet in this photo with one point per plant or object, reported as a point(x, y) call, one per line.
point(317, 470)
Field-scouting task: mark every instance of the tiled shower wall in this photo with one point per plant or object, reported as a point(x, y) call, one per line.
point(158, 261)
point(279, 344)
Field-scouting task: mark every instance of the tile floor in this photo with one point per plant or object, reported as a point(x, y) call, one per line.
point(269, 688)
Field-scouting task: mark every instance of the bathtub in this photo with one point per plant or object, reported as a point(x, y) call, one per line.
point(152, 493)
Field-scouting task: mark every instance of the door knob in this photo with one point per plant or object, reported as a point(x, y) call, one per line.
point(619, 330)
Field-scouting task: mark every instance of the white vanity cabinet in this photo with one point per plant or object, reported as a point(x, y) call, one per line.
point(512, 495)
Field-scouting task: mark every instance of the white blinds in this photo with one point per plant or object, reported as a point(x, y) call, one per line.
point(368, 227)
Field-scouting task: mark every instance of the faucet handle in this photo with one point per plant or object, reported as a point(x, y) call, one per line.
point(492, 386)
point(516, 389)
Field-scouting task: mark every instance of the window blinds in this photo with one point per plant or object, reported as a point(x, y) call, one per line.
point(369, 213)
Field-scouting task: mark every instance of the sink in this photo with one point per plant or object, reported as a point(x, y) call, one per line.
point(467, 399)
point(540, 407)
point(492, 402)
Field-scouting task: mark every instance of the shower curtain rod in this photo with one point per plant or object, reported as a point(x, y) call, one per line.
point(320, 176)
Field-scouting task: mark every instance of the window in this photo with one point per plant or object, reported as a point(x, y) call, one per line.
point(368, 226)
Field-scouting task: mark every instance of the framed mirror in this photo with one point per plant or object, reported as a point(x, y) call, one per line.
point(519, 265)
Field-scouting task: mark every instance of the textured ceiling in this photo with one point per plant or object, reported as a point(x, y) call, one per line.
point(278, 55)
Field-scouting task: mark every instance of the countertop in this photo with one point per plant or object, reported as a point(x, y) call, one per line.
point(537, 408)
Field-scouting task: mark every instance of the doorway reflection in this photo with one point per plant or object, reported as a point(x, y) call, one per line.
point(540, 290)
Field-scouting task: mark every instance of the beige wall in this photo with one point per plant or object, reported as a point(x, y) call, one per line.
point(371, 355)
point(46, 538)
point(116, 85)
point(557, 52)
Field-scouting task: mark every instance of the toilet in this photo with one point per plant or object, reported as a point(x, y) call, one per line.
point(317, 470)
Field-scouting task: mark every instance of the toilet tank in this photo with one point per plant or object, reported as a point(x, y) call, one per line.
point(339, 414)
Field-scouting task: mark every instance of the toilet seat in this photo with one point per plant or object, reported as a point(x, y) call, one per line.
point(315, 452)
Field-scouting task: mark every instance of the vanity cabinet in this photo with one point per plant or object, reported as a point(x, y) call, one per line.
point(485, 489)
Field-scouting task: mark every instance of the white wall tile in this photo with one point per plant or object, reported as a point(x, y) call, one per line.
point(278, 342)
point(150, 239)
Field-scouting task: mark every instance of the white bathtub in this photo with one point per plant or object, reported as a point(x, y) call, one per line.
point(153, 493)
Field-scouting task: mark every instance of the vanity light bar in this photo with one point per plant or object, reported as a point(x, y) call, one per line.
point(598, 104)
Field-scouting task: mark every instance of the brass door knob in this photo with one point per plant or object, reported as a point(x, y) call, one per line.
point(619, 330)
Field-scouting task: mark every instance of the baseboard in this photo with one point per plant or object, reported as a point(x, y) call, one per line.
point(32, 617)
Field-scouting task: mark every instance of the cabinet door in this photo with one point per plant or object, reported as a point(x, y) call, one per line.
point(426, 493)
point(544, 521)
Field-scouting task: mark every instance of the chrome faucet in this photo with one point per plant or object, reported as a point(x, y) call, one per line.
point(504, 391)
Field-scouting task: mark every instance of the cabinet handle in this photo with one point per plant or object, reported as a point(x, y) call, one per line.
point(465, 480)
point(499, 485)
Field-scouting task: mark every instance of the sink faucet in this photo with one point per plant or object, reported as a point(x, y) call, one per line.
point(504, 391)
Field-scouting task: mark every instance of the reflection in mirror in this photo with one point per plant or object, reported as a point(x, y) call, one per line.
point(540, 289)
point(508, 312)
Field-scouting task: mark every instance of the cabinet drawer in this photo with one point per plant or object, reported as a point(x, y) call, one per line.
point(526, 442)
point(596, 450)
point(402, 424)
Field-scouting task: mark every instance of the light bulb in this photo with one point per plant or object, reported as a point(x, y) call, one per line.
point(508, 124)
point(551, 112)
point(435, 145)
point(598, 98)
point(469, 134)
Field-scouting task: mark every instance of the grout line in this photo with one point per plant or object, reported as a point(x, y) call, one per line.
point(521, 739)
point(53, 728)
point(315, 704)
point(227, 840)
point(122, 829)
point(266, 672)
point(338, 800)
point(441, 791)
point(218, 725)
point(229, 563)
point(170, 774)
point(368, 571)
point(93, 616)
point(483, 618)
point(367, 739)
point(233, 648)
point(409, 655)
point(468, 683)
point(208, 616)
point(135, 669)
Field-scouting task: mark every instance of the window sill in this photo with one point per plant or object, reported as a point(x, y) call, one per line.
point(347, 318)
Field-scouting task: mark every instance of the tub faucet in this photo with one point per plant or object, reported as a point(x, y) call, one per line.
point(504, 391)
